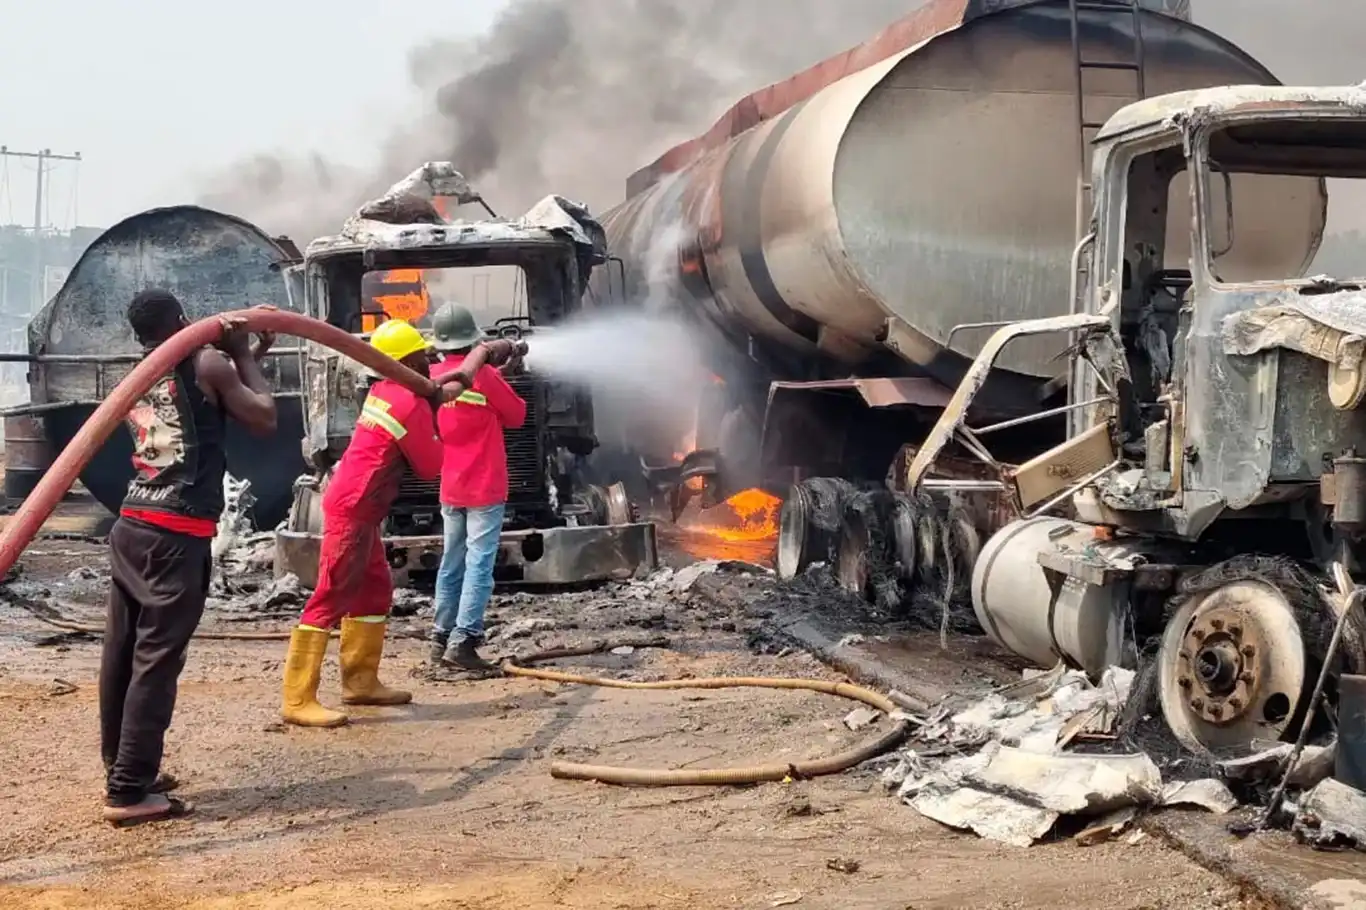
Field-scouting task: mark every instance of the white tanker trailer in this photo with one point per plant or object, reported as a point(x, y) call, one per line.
point(1112, 402)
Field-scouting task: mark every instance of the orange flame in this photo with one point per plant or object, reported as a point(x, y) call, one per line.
point(410, 303)
point(750, 515)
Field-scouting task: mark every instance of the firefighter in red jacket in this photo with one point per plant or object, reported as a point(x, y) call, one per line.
point(474, 490)
point(396, 429)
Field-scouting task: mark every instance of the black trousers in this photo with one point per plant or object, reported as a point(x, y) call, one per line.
point(159, 582)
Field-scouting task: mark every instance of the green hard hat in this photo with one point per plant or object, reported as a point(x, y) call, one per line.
point(454, 328)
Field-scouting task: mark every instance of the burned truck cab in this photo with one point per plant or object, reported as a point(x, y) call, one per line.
point(521, 278)
point(1244, 375)
point(1212, 486)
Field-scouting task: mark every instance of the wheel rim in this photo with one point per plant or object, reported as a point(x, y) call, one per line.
point(1232, 667)
point(794, 528)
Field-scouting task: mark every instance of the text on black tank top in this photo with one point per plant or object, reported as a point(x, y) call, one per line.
point(178, 457)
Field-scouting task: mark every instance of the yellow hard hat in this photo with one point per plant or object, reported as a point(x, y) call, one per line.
point(398, 339)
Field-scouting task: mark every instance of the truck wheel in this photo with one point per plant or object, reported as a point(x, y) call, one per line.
point(797, 534)
point(809, 523)
point(1232, 667)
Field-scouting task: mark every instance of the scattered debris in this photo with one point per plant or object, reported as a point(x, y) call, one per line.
point(1107, 827)
point(1208, 794)
point(62, 687)
point(1314, 765)
point(521, 628)
point(1016, 796)
point(235, 524)
point(1000, 766)
point(847, 866)
point(408, 602)
point(861, 718)
point(685, 578)
point(1332, 815)
point(740, 566)
point(624, 651)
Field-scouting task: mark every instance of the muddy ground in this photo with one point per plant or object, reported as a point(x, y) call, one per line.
point(449, 803)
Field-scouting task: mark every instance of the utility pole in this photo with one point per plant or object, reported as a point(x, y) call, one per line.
point(39, 260)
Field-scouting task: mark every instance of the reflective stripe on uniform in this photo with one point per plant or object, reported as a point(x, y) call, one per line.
point(468, 397)
point(375, 414)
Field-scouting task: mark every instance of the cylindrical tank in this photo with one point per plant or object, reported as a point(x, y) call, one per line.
point(1084, 625)
point(935, 184)
point(212, 262)
point(28, 455)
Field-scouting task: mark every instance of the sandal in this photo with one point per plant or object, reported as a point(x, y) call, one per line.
point(154, 807)
point(164, 783)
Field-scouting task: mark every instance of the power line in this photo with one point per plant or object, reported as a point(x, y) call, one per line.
point(43, 156)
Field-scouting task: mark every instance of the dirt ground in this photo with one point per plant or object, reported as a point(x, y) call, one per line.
point(449, 802)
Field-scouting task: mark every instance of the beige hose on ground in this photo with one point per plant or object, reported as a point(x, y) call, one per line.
point(635, 777)
point(664, 777)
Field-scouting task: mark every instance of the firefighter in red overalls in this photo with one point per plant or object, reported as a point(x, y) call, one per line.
point(396, 430)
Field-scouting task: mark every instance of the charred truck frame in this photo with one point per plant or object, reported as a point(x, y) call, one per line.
point(1209, 492)
point(558, 529)
point(1149, 456)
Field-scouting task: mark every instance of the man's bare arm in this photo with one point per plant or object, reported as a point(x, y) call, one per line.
point(240, 388)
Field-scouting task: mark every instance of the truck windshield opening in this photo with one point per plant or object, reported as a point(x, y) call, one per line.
point(1258, 175)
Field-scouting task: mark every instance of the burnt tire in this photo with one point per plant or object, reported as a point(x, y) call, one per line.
point(865, 557)
point(853, 552)
point(906, 536)
point(809, 524)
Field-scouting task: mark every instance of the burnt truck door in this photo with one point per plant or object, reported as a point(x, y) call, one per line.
point(330, 380)
point(296, 295)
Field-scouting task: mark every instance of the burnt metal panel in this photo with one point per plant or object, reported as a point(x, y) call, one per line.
point(877, 393)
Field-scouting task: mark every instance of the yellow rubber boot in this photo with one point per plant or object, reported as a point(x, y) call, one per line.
point(303, 666)
point(362, 643)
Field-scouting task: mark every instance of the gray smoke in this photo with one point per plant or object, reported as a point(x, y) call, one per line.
point(1311, 42)
point(563, 96)
point(571, 96)
point(1317, 42)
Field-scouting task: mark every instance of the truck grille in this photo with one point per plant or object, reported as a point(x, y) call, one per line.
point(526, 460)
point(525, 457)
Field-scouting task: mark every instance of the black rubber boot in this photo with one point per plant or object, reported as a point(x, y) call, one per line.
point(462, 654)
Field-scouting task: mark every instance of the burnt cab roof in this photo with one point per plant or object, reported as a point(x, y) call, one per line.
point(1229, 103)
point(552, 223)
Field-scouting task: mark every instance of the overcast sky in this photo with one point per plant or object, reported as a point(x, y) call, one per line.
point(154, 92)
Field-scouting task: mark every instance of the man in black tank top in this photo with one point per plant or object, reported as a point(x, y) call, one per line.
point(159, 548)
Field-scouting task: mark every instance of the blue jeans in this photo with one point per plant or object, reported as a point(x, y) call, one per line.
point(464, 582)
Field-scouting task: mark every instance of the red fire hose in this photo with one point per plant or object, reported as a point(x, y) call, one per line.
point(36, 508)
